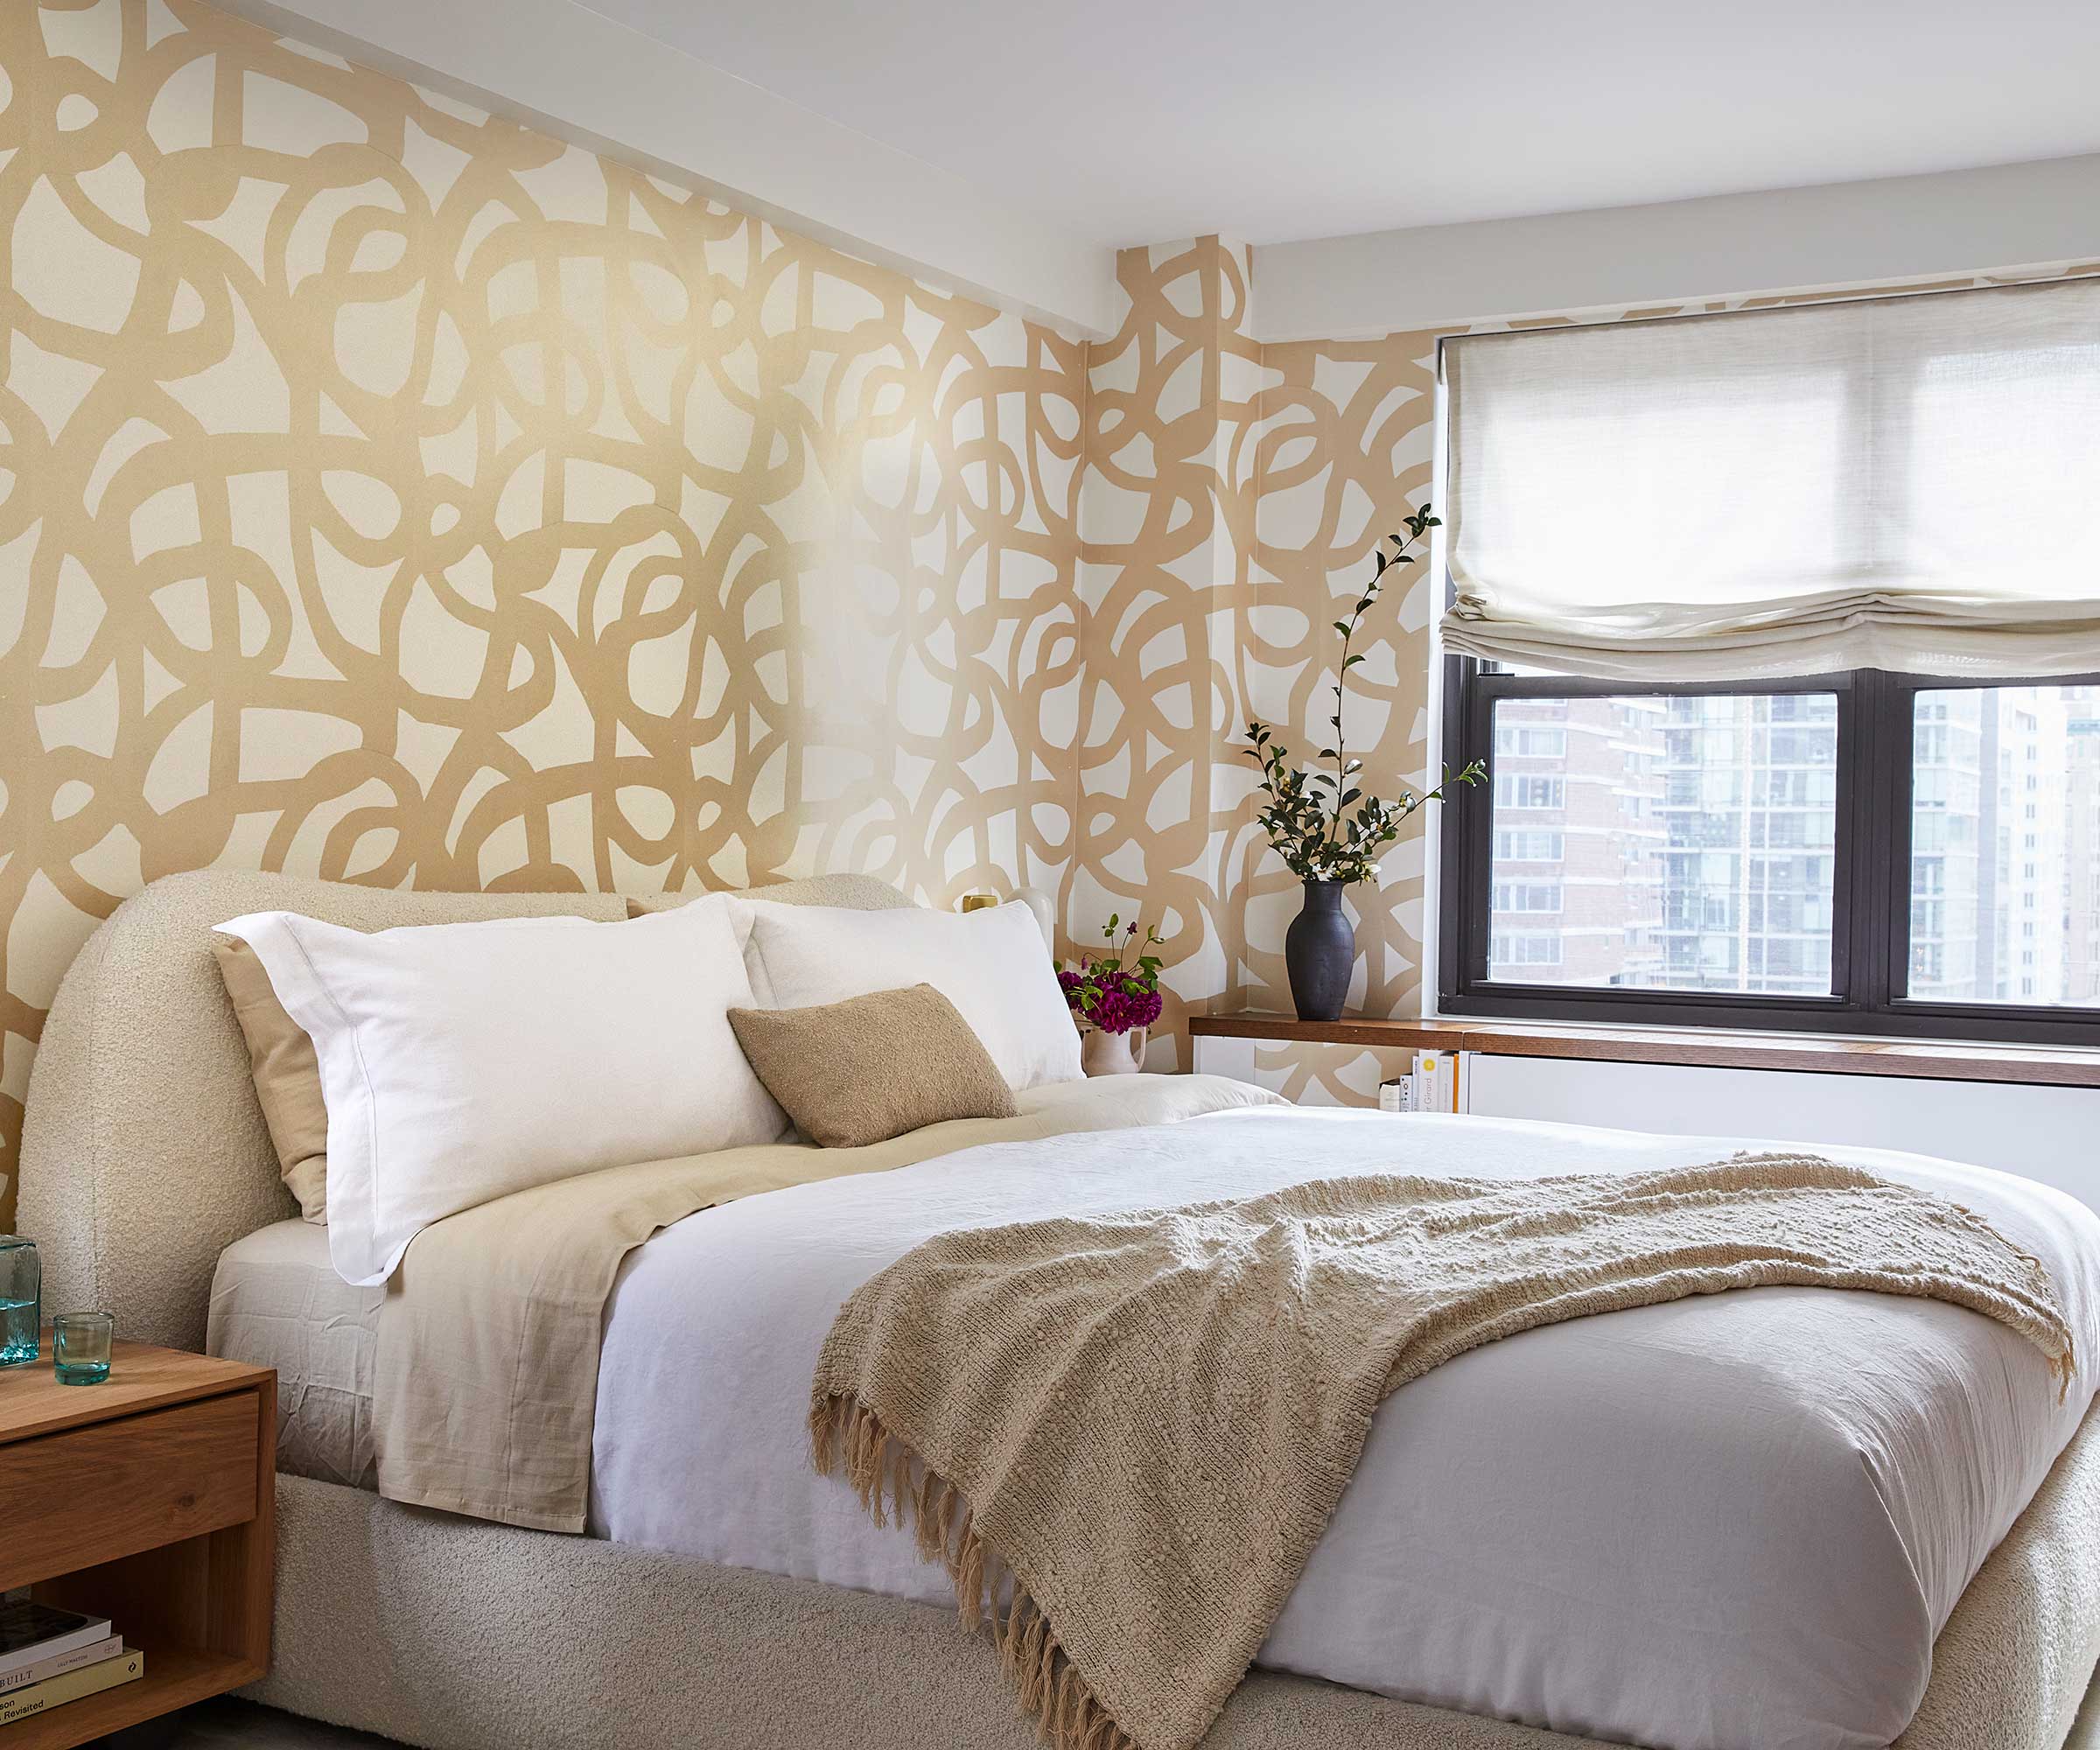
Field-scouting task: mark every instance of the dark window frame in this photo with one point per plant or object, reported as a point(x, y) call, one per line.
point(1870, 898)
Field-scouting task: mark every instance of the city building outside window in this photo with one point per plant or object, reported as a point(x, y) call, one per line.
point(1858, 853)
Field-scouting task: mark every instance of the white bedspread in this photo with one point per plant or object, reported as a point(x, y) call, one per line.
point(1734, 1523)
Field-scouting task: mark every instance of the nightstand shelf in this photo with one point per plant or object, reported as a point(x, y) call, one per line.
point(174, 1677)
point(148, 1499)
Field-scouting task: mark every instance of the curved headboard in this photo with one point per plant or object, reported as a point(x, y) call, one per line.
point(144, 1152)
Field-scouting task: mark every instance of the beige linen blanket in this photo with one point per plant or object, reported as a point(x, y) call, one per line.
point(1125, 1436)
point(485, 1370)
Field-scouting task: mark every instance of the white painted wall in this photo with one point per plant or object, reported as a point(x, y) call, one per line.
point(1879, 233)
point(2045, 1133)
point(581, 77)
point(2052, 1134)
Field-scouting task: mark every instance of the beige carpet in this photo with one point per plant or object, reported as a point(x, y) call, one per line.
point(242, 1725)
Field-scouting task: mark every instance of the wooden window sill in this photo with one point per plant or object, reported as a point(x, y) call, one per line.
point(1921, 1060)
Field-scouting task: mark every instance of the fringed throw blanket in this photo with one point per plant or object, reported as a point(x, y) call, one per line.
point(1125, 1436)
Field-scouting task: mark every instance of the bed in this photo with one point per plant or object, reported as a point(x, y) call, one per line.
point(1907, 1528)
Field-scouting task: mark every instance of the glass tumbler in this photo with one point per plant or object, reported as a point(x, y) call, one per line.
point(79, 1347)
point(21, 1300)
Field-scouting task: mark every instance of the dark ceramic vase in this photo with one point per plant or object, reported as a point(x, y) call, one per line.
point(1320, 951)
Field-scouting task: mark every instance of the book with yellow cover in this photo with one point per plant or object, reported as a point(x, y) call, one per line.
point(93, 1654)
point(106, 1674)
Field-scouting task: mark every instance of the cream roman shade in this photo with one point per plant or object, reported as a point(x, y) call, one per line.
point(1907, 483)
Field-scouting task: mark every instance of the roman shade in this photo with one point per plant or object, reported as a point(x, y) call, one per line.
point(1904, 483)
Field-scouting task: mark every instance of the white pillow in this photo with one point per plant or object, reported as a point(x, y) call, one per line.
point(460, 1062)
point(992, 965)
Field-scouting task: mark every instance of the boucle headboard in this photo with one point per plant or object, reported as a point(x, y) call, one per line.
point(144, 1153)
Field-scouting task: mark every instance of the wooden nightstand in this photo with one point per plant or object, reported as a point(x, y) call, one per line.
point(149, 1499)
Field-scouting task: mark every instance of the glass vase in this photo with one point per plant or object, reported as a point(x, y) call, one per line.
point(21, 1300)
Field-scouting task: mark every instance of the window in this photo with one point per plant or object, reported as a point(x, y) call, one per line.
point(1532, 847)
point(1527, 741)
point(1783, 626)
point(1530, 949)
point(1858, 853)
point(1720, 881)
point(1527, 896)
point(1516, 790)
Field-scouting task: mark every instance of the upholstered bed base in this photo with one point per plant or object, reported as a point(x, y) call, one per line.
point(459, 1634)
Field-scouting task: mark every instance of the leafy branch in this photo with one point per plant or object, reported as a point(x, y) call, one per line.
point(1306, 811)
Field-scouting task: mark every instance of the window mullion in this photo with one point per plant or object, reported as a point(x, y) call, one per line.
point(1869, 759)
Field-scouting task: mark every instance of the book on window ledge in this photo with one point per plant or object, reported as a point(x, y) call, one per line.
point(32, 1633)
point(75, 1686)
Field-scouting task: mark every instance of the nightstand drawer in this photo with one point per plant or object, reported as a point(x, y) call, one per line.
point(91, 1494)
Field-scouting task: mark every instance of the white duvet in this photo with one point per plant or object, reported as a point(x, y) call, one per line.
point(1735, 1522)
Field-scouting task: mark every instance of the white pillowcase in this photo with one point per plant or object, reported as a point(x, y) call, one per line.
point(460, 1062)
point(993, 965)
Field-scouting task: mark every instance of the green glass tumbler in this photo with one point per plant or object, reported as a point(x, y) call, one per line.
point(79, 1347)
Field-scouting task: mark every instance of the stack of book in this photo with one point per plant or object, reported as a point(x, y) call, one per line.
point(49, 1657)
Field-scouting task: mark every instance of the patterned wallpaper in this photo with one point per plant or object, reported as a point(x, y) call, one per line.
point(390, 492)
point(1233, 496)
point(1168, 513)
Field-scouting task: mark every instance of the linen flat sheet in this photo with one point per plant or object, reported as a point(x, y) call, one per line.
point(277, 1302)
point(1735, 1522)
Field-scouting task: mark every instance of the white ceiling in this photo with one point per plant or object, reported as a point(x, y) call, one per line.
point(1133, 120)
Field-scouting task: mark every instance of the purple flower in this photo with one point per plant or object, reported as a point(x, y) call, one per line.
point(1113, 993)
point(1117, 1011)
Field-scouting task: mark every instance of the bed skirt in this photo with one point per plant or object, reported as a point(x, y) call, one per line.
point(458, 1635)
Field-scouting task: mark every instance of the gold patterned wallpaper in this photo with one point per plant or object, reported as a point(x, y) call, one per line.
point(1167, 513)
point(390, 492)
point(1232, 495)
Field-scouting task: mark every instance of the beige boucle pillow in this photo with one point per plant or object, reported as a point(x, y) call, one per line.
point(287, 1075)
point(872, 1067)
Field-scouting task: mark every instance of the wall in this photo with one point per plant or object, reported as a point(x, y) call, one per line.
point(393, 494)
point(2042, 1133)
point(564, 68)
point(1234, 494)
point(1167, 512)
point(1880, 233)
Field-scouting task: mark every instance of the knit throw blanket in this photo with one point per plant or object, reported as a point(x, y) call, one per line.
point(1124, 1435)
